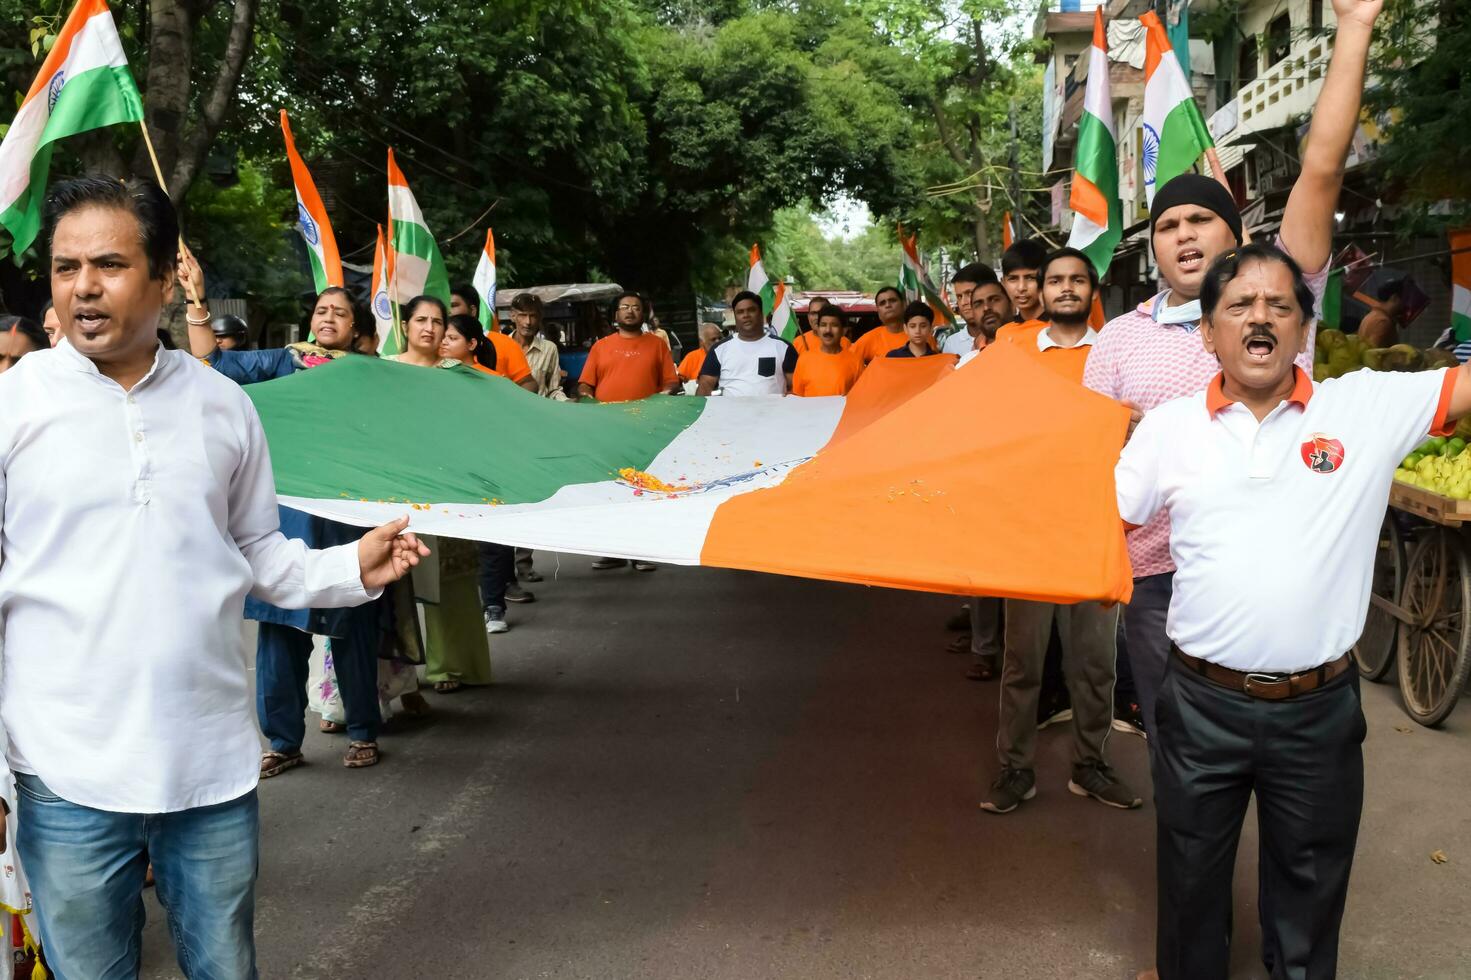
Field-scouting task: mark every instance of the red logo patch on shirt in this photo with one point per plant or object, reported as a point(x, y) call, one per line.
point(1322, 454)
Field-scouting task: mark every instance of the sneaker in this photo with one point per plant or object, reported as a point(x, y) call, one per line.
point(1098, 781)
point(1053, 714)
point(514, 593)
point(1129, 720)
point(1009, 790)
point(644, 566)
point(495, 620)
point(602, 563)
point(960, 622)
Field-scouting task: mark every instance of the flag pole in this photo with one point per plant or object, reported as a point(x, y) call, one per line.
point(190, 291)
point(1219, 172)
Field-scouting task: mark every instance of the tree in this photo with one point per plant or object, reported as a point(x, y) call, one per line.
point(1422, 99)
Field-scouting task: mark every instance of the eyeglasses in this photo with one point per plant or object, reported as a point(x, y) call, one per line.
point(629, 308)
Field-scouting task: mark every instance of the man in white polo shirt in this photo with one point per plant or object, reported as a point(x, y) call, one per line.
point(751, 362)
point(1275, 490)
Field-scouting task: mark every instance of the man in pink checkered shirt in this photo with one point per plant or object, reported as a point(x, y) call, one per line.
point(1154, 353)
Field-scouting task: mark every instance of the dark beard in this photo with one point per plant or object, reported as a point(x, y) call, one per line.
point(1069, 319)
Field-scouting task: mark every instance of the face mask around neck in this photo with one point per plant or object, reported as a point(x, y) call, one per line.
point(1184, 313)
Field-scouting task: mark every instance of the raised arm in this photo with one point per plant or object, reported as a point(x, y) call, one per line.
point(196, 310)
point(1307, 223)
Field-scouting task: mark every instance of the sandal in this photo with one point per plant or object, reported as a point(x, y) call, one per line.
point(446, 687)
point(984, 669)
point(275, 763)
point(332, 727)
point(961, 644)
point(360, 755)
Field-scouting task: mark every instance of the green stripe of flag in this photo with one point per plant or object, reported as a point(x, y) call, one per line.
point(1182, 140)
point(1097, 160)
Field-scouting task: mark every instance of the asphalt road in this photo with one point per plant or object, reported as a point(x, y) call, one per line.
point(726, 776)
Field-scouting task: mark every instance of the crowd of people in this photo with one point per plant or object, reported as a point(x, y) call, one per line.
point(140, 515)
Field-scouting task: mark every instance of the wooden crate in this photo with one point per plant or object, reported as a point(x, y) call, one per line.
point(1429, 504)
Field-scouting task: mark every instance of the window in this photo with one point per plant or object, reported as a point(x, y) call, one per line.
point(1246, 61)
point(1279, 39)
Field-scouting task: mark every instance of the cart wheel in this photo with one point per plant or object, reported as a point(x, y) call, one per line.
point(1374, 653)
point(1433, 651)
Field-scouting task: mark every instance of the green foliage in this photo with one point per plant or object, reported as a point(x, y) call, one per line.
point(242, 234)
point(1423, 100)
point(799, 248)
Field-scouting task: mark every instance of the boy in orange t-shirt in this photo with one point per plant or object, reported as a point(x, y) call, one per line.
point(832, 369)
point(1063, 339)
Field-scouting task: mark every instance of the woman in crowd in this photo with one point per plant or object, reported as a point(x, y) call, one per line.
point(455, 648)
point(465, 342)
point(19, 336)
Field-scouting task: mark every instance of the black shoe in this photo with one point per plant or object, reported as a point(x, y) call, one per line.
point(1009, 790)
point(1128, 719)
point(960, 622)
point(1098, 781)
point(961, 644)
point(514, 593)
point(645, 566)
point(528, 574)
point(984, 668)
point(602, 563)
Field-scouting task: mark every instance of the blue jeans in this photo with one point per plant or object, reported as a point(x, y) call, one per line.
point(282, 655)
point(86, 869)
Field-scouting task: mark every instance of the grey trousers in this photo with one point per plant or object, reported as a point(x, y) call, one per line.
point(986, 635)
point(1088, 632)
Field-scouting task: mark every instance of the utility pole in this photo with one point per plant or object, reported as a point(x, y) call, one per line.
point(1014, 192)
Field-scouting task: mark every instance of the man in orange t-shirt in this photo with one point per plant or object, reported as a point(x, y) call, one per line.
point(808, 340)
point(630, 364)
point(889, 334)
point(1088, 629)
point(831, 369)
point(689, 367)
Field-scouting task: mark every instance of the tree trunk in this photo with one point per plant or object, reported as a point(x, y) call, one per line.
point(182, 145)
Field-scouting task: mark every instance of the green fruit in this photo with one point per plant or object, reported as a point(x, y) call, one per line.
point(1455, 446)
point(1411, 460)
point(1373, 358)
point(1410, 358)
point(1331, 340)
point(1435, 358)
point(1322, 372)
point(1436, 443)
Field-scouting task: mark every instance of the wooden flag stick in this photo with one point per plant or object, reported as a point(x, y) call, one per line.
point(1219, 172)
point(191, 290)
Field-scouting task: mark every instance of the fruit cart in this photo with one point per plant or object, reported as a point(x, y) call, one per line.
point(1420, 606)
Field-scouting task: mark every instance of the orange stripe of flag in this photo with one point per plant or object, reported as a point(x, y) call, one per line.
point(1086, 199)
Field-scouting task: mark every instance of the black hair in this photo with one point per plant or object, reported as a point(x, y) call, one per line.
point(527, 302)
point(340, 290)
point(469, 295)
point(1391, 289)
point(158, 222)
point(412, 305)
point(643, 305)
point(833, 310)
point(918, 308)
point(167, 339)
point(887, 289)
point(27, 328)
point(817, 299)
point(471, 329)
point(1228, 265)
point(1025, 253)
point(1068, 253)
point(746, 294)
point(46, 307)
point(975, 273)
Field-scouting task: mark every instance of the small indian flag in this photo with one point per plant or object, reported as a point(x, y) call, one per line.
point(783, 317)
point(915, 282)
point(1098, 217)
point(1461, 282)
point(758, 283)
point(311, 218)
point(84, 84)
point(389, 339)
point(1175, 134)
point(485, 283)
point(418, 268)
point(1008, 233)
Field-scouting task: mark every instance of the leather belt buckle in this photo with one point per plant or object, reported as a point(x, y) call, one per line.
point(1270, 686)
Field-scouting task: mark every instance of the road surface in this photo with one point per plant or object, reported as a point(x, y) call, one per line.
point(709, 775)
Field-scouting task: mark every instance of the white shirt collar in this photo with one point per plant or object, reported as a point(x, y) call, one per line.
point(78, 361)
point(1045, 341)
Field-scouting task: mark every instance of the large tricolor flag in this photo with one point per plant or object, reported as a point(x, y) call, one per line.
point(1175, 133)
point(485, 282)
point(784, 322)
point(311, 218)
point(418, 266)
point(771, 484)
point(1460, 241)
point(390, 339)
point(758, 282)
point(1098, 216)
point(915, 282)
point(84, 84)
